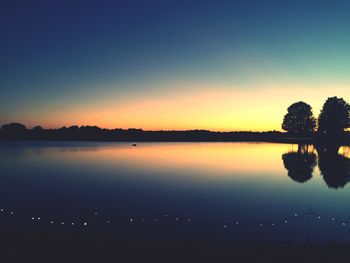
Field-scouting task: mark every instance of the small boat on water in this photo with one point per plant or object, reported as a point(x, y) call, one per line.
point(134, 144)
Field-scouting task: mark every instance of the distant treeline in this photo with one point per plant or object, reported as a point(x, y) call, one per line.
point(299, 123)
point(17, 131)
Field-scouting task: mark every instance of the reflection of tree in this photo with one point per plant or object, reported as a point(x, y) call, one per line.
point(300, 165)
point(334, 167)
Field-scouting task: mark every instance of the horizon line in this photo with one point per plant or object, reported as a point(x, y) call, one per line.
point(134, 128)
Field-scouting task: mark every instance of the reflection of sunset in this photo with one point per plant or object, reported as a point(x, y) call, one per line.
point(345, 151)
point(229, 159)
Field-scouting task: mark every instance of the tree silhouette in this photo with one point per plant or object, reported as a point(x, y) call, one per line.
point(300, 165)
point(14, 130)
point(334, 117)
point(13, 127)
point(299, 119)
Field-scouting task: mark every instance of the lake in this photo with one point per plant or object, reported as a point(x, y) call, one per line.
point(211, 191)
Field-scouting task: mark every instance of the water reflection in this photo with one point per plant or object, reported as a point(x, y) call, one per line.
point(334, 167)
point(208, 182)
point(333, 163)
point(300, 164)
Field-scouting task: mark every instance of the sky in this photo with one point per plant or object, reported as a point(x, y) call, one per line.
point(170, 65)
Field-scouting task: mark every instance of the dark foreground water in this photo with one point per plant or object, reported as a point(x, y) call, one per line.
point(177, 191)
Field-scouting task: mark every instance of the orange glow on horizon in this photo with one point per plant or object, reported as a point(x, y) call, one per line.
point(212, 108)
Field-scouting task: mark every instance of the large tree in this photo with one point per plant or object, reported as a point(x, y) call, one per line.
point(334, 116)
point(299, 119)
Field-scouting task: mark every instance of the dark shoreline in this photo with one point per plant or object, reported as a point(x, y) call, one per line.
point(17, 131)
point(306, 141)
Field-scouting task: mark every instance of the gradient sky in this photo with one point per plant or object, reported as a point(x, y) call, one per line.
point(219, 65)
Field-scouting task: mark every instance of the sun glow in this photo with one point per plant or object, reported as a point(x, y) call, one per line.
point(217, 108)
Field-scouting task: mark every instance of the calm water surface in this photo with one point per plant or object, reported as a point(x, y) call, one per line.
point(160, 186)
